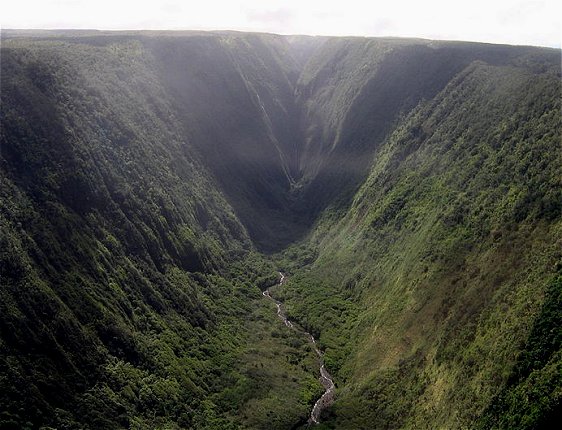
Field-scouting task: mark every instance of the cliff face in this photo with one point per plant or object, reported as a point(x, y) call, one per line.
point(141, 171)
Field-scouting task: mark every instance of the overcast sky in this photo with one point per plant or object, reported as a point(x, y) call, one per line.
point(532, 22)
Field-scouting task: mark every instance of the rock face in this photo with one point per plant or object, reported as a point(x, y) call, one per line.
point(140, 171)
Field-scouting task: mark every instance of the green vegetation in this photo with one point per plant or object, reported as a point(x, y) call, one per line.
point(532, 396)
point(144, 175)
point(424, 292)
point(130, 292)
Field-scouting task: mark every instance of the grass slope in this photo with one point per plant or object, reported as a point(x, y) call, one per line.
point(430, 290)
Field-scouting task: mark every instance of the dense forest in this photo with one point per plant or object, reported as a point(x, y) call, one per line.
point(153, 184)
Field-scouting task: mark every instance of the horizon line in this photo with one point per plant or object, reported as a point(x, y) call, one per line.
point(219, 30)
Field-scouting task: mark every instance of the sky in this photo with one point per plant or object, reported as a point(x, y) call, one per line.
point(518, 22)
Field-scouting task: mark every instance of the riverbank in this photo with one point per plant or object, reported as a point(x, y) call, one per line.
point(325, 378)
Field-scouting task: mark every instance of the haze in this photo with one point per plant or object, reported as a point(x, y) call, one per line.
point(513, 22)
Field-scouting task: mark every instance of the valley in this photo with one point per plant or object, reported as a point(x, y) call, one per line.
point(212, 230)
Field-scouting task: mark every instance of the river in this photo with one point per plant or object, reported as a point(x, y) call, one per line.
point(325, 378)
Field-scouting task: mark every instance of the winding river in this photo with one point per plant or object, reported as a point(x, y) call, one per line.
point(325, 378)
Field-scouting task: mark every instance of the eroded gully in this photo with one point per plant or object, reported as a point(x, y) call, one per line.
point(325, 378)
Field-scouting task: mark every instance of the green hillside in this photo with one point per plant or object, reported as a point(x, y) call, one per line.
point(129, 288)
point(411, 190)
point(429, 293)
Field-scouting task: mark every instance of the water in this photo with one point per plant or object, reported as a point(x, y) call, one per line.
point(325, 378)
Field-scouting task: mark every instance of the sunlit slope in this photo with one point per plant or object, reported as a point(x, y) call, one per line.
point(353, 92)
point(432, 294)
